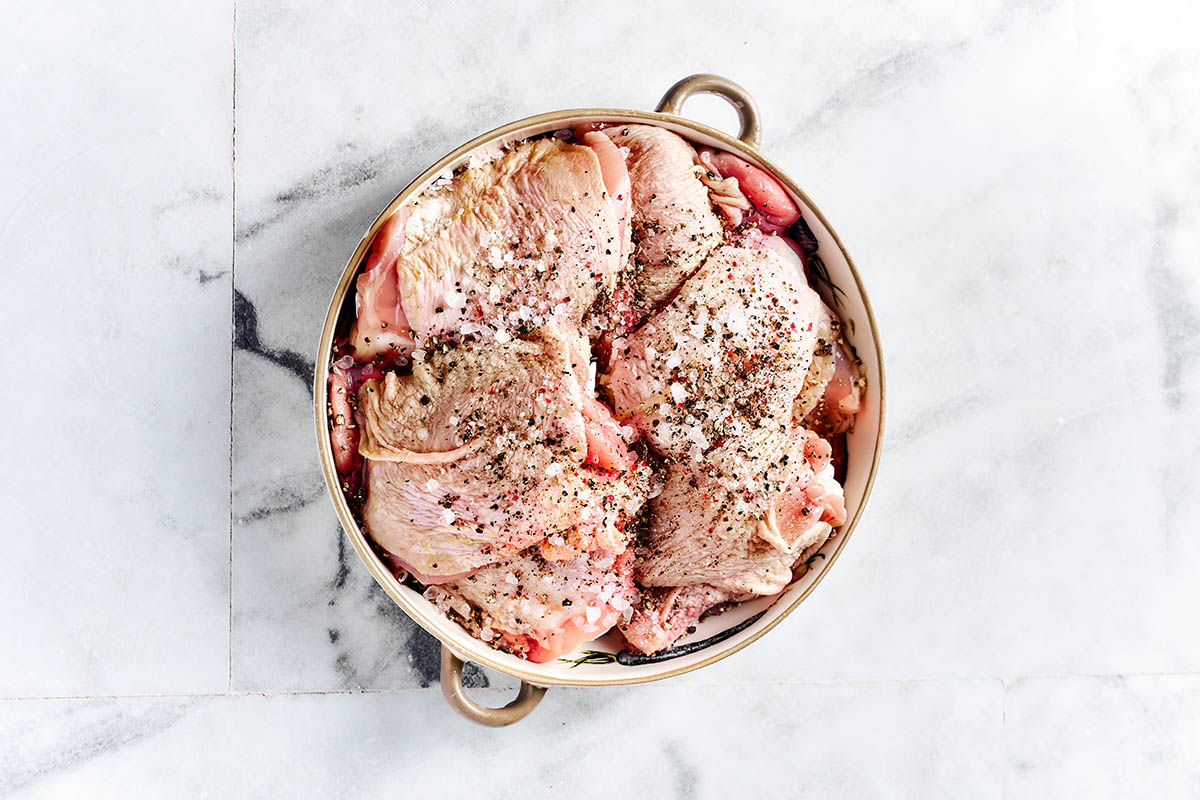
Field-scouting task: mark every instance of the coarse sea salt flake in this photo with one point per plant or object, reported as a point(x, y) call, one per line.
point(456, 299)
point(673, 361)
point(510, 578)
point(678, 393)
point(494, 290)
point(554, 469)
point(432, 485)
point(448, 516)
point(418, 355)
point(502, 336)
point(591, 613)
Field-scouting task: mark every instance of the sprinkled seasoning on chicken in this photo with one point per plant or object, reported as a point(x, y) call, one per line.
point(527, 238)
point(674, 224)
point(732, 528)
point(541, 609)
point(729, 353)
point(479, 453)
point(464, 416)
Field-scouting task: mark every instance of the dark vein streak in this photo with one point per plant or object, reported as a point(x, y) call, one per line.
point(245, 320)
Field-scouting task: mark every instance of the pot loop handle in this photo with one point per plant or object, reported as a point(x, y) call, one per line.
point(452, 688)
point(704, 83)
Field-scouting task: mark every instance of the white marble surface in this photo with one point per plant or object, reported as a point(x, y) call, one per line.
point(1016, 615)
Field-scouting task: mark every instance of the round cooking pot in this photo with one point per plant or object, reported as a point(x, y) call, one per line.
point(602, 663)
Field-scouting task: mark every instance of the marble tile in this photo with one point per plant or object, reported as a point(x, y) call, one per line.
point(1040, 317)
point(1103, 737)
point(1032, 305)
point(1014, 616)
point(863, 741)
point(115, 227)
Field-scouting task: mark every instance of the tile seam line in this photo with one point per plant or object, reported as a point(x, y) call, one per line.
point(232, 321)
point(1005, 682)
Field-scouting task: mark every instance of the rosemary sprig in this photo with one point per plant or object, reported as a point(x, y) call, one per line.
point(591, 657)
point(821, 273)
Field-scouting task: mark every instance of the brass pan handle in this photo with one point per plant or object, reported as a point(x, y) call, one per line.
point(736, 96)
point(452, 688)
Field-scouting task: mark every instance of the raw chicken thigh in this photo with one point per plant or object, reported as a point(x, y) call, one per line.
point(541, 609)
point(739, 519)
point(479, 453)
point(527, 238)
point(729, 353)
point(732, 528)
point(674, 224)
point(464, 419)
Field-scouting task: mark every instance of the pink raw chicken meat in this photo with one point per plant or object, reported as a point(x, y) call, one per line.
point(756, 184)
point(496, 478)
point(526, 238)
point(731, 352)
point(674, 225)
point(616, 182)
point(540, 609)
point(662, 616)
point(733, 527)
point(344, 432)
point(479, 453)
point(382, 328)
point(832, 393)
point(841, 399)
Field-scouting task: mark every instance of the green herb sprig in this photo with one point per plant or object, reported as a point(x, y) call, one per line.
point(821, 273)
point(591, 657)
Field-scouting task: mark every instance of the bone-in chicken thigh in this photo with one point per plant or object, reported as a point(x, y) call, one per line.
point(541, 609)
point(674, 224)
point(731, 528)
point(730, 353)
point(739, 519)
point(479, 452)
point(527, 238)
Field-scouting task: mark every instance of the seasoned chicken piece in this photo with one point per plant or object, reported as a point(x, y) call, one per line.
point(739, 520)
point(755, 185)
point(821, 368)
point(540, 609)
point(674, 225)
point(381, 327)
point(524, 239)
point(832, 392)
point(663, 615)
point(616, 183)
point(479, 453)
point(730, 353)
point(732, 528)
point(840, 399)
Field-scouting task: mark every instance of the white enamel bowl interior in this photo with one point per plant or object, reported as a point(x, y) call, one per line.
point(861, 454)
